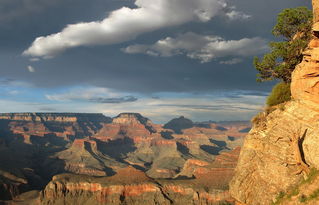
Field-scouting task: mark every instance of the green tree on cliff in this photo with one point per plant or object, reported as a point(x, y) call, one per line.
point(294, 29)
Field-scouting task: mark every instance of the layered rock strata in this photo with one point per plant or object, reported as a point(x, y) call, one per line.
point(283, 144)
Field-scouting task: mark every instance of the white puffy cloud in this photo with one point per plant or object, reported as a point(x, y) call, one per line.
point(126, 24)
point(31, 69)
point(237, 15)
point(202, 47)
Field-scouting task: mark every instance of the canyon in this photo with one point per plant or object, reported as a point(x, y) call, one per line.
point(74, 158)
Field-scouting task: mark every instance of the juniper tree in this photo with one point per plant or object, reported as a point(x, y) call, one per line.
point(293, 28)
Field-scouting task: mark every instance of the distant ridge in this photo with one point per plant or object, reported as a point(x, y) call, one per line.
point(178, 124)
point(60, 117)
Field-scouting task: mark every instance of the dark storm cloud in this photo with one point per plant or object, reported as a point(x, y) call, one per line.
point(113, 100)
point(15, 9)
point(107, 66)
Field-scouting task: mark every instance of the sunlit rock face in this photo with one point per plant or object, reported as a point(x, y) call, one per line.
point(315, 5)
point(305, 78)
point(270, 162)
point(267, 164)
point(128, 186)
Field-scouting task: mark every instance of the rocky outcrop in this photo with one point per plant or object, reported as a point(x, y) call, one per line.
point(269, 162)
point(315, 5)
point(305, 77)
point(137, 189)
point(178, 124)
point(131, 118)
point(283, 144)
point(11, 185)
point(134, 119)
point(81, 191)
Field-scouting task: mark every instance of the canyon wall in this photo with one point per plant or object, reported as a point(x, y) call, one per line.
point(139, 189)
point(122, 160)
point(283, 144)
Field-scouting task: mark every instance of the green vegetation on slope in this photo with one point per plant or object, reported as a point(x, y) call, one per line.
point(296, 191)
point(280, 94)
point(294, 30)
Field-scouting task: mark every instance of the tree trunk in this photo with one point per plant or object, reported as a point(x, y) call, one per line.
point(315, 5)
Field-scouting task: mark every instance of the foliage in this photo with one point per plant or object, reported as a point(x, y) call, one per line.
point(259, 118)
point(311, 176)
point(280, 94)
point(225, 203)
point(295, 190)
point(294, 28)
point(314, 195)
point(302, 198)
point(279, 198)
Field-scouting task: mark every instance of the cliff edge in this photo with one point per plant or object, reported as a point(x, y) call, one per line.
point(282, 148)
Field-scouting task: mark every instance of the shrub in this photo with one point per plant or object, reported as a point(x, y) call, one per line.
point(302, 198)
point(280, 94)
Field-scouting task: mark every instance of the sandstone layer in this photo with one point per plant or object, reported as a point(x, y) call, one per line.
point(315, 5)
point(138, 189)
point(283, 144)
point(305, 77)
point(268, 163)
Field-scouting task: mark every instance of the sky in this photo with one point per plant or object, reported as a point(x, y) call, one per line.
point(160, 58)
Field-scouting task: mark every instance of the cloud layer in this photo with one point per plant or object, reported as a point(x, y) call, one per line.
point(126, 24)
point(13, 9)
point(93, 95)
point(202, 47)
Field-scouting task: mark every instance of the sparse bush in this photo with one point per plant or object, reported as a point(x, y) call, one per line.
point(280, 94)
point(314, 195)
point(302, 198)
point(281, 107)
point(279, 198)
point(260, 120)
point(225, 203)
point(294, 192)
point(269, 110)
point(311, 176)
